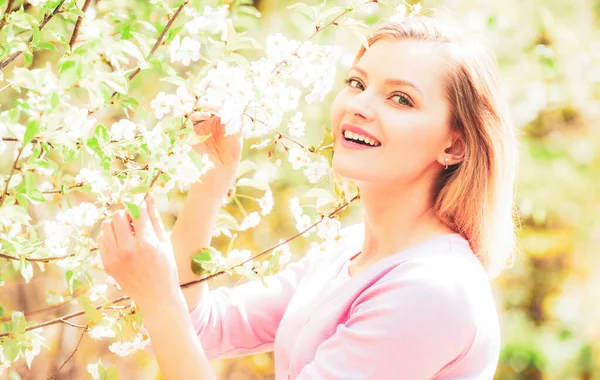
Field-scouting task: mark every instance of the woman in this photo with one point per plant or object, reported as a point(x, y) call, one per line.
point(408, 296)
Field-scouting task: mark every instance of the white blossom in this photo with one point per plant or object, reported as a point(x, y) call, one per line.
point(261, 145)
point(238, 256)
point(329, 229)
point(214, 20)
point(123, 129)
point(127, 348)
point(298, 158)
point(83, 215)
point(32, 352)
point(399, 14)
point(37, 3)
point(77, 123)
point(295, 207)
point(93, 370)
point(57, 240)
point(250, 221)
point(283, 254)
point(155, 138)
point(266, 202)
point(99, 332)
point(184, 51)
point(183, 102)
point(161, 105)
point(296, 125)
point(4, 364)
point(97, 292)
point(93, 178)
point(315, 171)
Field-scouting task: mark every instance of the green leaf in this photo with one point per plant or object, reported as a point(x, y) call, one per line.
point(197, 268)
point(33, 128)
point(92, 314)
point(15, 213)
point(18, 323)
point(331, 13)
point(54, 100)
point(142, 189)
point(118, 82)
point(102, 133)
point(12, 348)
point(133, 209)
point(305, 9)
point(47, 46)
point(243, 42)
point(203, 255)
point(110, 373)
point(26, 270)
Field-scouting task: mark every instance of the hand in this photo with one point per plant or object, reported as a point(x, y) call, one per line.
point(139, 256)
point(224, 151)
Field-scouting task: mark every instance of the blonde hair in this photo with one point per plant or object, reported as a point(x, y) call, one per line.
point(475, 197)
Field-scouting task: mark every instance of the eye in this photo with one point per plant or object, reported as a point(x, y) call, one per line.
point(402, 99)
point(353, 82)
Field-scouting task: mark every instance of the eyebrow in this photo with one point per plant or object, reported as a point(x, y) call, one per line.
point(390, 82)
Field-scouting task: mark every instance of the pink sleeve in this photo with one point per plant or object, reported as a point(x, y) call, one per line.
point(243, 320)
point(398, 329)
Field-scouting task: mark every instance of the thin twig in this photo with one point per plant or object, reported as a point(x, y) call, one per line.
point(70, 356)
point(268, 250)
point(6, 13)
point(44, 22)
point(73, 324)
point(4, 195)
point(36, 259)
point(49, 308)
point(78, 25)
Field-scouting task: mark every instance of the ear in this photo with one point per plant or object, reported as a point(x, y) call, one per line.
point(454, 150)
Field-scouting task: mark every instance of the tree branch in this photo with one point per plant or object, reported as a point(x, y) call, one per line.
point(44, 22)
point(191, 283)
point(37, 259)
point(6, 13)
point(262, 253)
point(4, 195)
point(70, 356)
point(78, 25)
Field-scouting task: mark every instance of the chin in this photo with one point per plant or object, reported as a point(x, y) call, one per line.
point(345, 169)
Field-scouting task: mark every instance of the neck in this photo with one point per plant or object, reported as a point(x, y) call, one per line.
point(397, 216)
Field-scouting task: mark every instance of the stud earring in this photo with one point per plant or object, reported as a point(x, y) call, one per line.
point(446, 161)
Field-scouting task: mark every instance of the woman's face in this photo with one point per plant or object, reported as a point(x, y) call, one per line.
point(395, 95)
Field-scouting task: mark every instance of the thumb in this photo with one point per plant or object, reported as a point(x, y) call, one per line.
point(154, 215)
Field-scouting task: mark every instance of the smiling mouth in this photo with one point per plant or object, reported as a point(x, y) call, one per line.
point(360, 139)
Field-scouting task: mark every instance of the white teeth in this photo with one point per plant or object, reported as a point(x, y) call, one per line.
point(357, 137)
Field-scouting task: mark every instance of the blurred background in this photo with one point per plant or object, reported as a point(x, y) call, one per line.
point(549, 302)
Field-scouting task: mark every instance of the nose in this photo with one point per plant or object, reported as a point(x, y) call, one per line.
point(360, 106)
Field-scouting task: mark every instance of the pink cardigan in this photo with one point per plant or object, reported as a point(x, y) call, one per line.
point(426, 312)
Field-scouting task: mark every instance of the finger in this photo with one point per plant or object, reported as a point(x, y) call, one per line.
point(104, 255)
point(107, 244)
point(157, 223)
point(108, 235)
point(122, 227)
point(143, 225)
point(198, 117)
